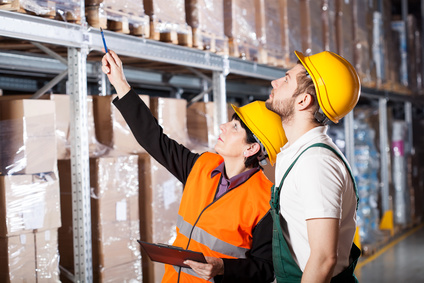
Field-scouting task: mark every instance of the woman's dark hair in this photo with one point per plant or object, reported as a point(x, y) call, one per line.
point(251, 161)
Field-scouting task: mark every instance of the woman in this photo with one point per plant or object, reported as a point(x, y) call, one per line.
point(224, 211)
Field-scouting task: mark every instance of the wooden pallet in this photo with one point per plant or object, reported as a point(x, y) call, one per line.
point(243, 50)
point(207, 41)
point(118, 21)
point(172, 33)
point(63, 12)
point(46, 11)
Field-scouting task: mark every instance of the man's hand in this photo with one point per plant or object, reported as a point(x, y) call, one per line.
point(112, 67)
point(207, 271)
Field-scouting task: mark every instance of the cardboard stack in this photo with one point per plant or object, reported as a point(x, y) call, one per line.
point(114, 218)
point(30, 210)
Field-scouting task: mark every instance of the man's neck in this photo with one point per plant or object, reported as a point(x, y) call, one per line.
point(297, 127)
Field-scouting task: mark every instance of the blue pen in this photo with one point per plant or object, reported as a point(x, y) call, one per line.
point(104, 42)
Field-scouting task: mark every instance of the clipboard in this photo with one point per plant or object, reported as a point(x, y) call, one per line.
point(170, 254)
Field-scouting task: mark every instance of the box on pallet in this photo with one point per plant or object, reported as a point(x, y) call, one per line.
point(168, 21)
point(114, 215)
point(206, 19)
point(240, 26)
point(120, 16)
point(69, 11)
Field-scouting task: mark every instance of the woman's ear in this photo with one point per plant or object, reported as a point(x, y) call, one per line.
point(252, 149)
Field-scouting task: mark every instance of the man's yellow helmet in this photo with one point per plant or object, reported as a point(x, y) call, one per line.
point(336, 82)
point(265, 125)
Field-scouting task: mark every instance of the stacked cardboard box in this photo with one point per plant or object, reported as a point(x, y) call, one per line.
point(114, 218)
point(111, 128)
point(30, 210)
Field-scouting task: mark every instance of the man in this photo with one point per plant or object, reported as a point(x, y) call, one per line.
point(314, 200)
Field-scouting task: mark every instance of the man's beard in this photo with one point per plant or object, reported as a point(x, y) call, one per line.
point(284, 108)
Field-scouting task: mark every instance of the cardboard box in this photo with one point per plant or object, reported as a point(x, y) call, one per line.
point(47, 256)
point(27, 142)
point(114, 212)
point(29, 202)
point(127, 272)
point(17, 259)
point(171, 114)
point(111, 128)
point(160, 197)
point(200, 124)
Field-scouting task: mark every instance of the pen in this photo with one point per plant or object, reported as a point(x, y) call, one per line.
point(104, 42)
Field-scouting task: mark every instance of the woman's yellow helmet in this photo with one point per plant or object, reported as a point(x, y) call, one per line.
point(265, 125)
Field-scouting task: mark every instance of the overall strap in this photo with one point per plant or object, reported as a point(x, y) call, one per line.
point(275, 198)
point(285, 268)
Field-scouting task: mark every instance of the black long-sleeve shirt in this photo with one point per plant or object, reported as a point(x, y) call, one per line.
point(179, 160)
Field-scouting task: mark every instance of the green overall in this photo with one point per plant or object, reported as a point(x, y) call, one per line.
point(285, 268)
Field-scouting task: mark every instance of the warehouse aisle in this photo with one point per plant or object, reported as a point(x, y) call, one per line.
point(400, 261)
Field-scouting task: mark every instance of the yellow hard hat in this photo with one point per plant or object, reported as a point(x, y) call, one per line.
point(265, 125)
point(336, 82)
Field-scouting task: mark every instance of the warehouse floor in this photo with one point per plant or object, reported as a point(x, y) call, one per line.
point(402, 260)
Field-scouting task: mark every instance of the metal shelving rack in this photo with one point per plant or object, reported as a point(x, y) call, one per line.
point(81, 39)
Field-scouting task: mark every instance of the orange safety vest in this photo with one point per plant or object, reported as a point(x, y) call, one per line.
point(221, 228)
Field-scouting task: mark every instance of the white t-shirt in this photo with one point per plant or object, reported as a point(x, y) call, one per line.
point(318, 186)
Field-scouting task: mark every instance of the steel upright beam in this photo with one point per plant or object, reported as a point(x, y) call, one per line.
point(81, 210)
point(384, 155)
point(349, 137)
point(408, 120)
point(220, 101)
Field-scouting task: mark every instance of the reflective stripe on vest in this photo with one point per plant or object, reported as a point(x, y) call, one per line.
point(203, 237)
point(190, 272)
point(220, 228)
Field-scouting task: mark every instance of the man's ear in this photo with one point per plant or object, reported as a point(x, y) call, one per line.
point(252, 149)
point(304, 100)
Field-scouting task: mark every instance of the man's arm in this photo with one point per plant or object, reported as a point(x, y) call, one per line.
point(323, 236)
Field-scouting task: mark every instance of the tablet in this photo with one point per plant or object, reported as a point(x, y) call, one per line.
point(171, 254)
